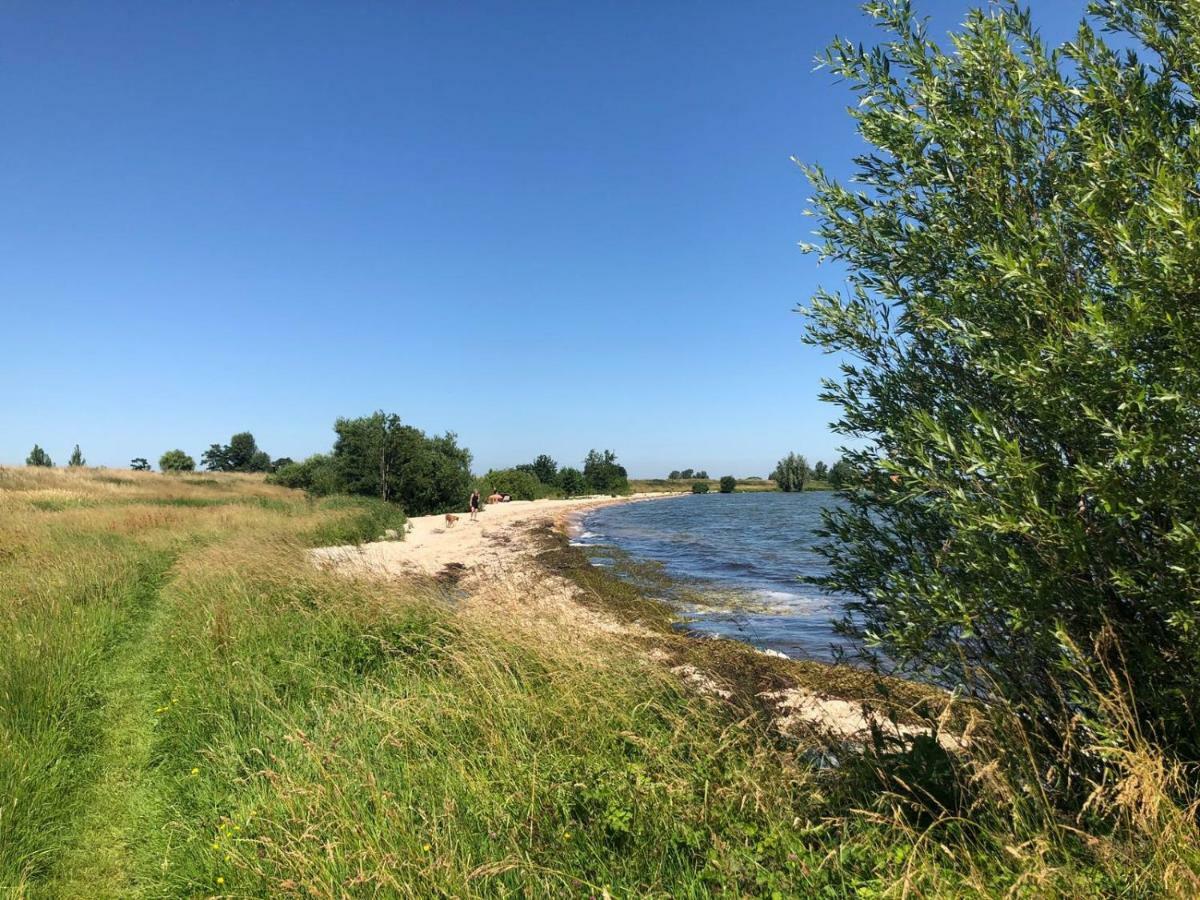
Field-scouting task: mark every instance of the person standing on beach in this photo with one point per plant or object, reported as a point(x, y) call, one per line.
point(474, 505)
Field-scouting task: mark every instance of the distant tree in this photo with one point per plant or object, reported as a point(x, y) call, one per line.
point(176, 461)
point(76, 458)
point(546, 469)
point(791, 473)
point(139, 464)
point(241, 454)
point(687, 473)
point(379, 456)
point(820, 471)
point(728, 484)
point(604, 475)
point(703, 473)
point(571, 481)
point(280, 463)
point(842, 474)
point(700, 487)
point(38, 457)
point(260, 461)
point(675, 475)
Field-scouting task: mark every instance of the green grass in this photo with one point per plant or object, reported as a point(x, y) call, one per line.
point(189, 708)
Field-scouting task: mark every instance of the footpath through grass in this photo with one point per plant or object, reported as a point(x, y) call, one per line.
point(189, 708)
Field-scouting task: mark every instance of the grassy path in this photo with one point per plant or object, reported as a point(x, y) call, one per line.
point(120, 800)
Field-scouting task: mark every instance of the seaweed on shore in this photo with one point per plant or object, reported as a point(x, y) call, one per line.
point(749, 677)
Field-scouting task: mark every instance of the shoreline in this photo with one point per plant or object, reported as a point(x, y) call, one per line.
point(433, 545)
point(522, 566)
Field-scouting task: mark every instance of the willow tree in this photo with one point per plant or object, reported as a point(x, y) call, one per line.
point(1022, 327)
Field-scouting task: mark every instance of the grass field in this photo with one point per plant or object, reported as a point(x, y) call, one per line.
point(188, 708)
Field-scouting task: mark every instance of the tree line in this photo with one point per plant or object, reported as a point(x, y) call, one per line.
point(600, 474)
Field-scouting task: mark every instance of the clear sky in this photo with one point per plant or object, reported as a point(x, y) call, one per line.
point(544, 226)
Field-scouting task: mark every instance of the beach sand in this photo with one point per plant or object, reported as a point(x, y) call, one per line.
point(491, 561)
point(491, 544)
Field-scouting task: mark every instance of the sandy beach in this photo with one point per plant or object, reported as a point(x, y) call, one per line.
point(493, 541)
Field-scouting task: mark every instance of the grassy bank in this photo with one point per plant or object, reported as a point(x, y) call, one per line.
point(187, 707)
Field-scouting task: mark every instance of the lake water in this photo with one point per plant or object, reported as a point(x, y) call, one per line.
point(734, 562)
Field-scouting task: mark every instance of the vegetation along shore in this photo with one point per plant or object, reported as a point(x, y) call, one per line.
point(192, 706)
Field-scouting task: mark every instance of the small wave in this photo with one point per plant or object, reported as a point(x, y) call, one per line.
point(779, 596)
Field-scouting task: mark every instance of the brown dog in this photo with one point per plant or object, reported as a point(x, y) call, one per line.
point(451, 518)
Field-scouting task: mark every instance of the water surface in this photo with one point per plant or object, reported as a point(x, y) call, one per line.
point(736, 561)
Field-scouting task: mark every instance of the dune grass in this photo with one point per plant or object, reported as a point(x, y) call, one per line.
point(189, 708)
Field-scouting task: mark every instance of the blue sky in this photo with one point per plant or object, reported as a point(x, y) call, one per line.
point(544, 226)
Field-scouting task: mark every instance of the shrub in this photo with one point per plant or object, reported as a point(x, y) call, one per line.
point(521, 485)
point(38, 457)
point(700, 487)
point(317, 475)
point(1023, 317)
point(728, 484)
point(176, 461)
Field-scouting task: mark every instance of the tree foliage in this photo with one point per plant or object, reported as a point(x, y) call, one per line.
point(700, 487)
point(139, 464)
point(842, 474)
point(318, 475)
point(176, 461)
point(728, 484)
point(379, 456)
point(38, 457)
point(76, 458)
point(1022, 330)
point(790, 473)
point(603, 474)
point(820, 471)
point(241, 454)
point(517, 483)
point(545, 469)
point(571, 481)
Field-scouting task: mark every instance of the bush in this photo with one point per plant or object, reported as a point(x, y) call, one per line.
point(317, 475)
point(139, 464)
point(700, 487)
point(1023, 316)
point(365, 519)
point(519, 484)
point(176, 461)
point(728, 484)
